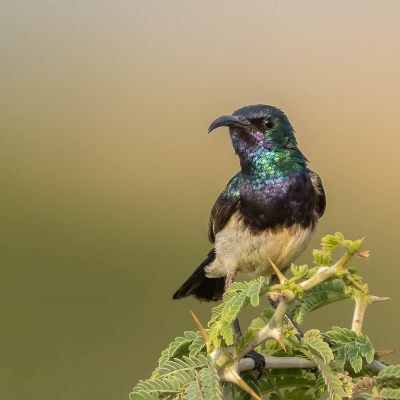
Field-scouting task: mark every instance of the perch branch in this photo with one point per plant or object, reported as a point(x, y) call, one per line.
point(247, 364)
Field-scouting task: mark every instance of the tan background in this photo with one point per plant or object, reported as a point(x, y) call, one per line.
point(108, 175)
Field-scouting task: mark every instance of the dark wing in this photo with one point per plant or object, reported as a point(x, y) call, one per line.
point(224, 207)
point(320, 192)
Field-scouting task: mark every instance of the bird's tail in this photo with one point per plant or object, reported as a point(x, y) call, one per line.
point(201, 287)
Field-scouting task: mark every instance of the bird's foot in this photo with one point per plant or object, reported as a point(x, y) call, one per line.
point(259, 362)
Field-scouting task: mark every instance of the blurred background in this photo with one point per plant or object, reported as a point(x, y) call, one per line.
point(108, 175)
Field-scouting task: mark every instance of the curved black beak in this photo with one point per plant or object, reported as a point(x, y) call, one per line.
point(228, 120)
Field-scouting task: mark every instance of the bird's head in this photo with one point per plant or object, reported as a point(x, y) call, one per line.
point(262, 132)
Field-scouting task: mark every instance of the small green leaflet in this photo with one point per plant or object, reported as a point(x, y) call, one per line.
point(366, 349)
point(341, 355)
point(353, 356)
point(238, 296)
point(316, 345)
point(193, 391)
point(210, 379)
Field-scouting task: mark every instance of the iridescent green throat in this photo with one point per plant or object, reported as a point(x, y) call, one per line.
point(270, 164)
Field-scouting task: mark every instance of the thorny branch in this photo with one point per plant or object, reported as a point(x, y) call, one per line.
point(230, 364)
point(362, 302)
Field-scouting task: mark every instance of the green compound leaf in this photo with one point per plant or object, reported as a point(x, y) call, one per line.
point(322, 257)
point(284, 379)
point(298, 272)
point(390, 394)
point(216, 313)
point(312, 333)
point(193, 391)
point(312, 271)
point(297, 394)
point(206, 384)
point(340, 336)
point(215, 337)
point(171, 378)
point(197, 345)
point(330, 242)
point(228, 388)
point(239, 295)
point(309, 302)
point(340, 354)
point(319, 387)
point(234, 290)
point(389, 376)
point(337, 384)
point(321, 295)
point(227, 333)
point(353, 356)
point(332, 381)
point(236, 305)
point(254, 292)
point(257, 324)
point(365, 396)
point(151, 388)
point(351, 345)
point(246, 338)
point(186, 363)
point(180, 345)
point(250, 379)
point(320, 348)
point(347, 383)
point(333, 384)
point(142, 395)
point(210, 379)
point(366, 349)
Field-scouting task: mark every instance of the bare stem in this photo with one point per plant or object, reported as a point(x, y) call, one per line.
point(271, 362)
point(325, 273)
point(362, 302)
point(273, 383)
point(375, 367)
point(273, 330)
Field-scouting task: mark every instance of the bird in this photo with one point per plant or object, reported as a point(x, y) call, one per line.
point(269, 211)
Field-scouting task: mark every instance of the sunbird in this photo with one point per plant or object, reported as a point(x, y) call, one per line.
point(268, 211)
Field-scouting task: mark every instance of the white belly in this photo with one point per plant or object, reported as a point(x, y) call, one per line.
point(240, 249)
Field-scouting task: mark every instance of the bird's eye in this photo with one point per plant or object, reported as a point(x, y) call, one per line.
point(269, 123)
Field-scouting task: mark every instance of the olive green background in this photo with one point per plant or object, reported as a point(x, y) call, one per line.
point(108, 175)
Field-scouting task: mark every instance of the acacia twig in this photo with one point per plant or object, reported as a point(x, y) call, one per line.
point(230, 364)
point(362, 301)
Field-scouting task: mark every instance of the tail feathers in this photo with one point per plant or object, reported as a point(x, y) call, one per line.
point(201, 287)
